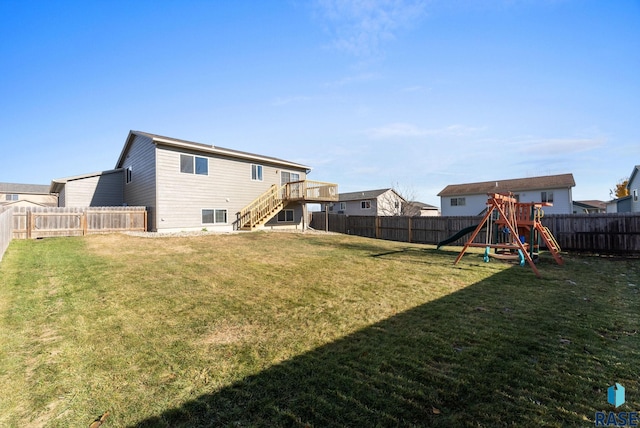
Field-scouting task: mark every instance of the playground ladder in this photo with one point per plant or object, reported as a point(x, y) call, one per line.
point(550, 241)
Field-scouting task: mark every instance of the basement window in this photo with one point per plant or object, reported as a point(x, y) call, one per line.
point(285, 216)
point(214, 216)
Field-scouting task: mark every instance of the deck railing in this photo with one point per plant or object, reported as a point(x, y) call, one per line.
point(311, 191)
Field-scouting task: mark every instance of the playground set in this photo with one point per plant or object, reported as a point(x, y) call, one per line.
point(514, 231)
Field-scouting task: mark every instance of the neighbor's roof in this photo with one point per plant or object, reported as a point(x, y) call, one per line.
point(205, 148)
point(560, 181)
point(24, 188)
point(364, 194)
point(592, 204)
point(58, 183)
point(422, 205)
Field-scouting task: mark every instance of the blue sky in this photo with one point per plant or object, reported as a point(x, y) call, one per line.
point(370, 94)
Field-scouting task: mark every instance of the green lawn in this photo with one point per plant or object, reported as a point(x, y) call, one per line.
point(275, 329)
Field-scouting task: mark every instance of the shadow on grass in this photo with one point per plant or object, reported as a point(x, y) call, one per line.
point(504, 351)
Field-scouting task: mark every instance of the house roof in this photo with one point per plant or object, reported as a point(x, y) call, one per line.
point(364, 194)
point(422, 205)
point(560, 181)
point(592, 204)
point(205, 148)
point(58, 183)
point(24, 188)
point(633, 175)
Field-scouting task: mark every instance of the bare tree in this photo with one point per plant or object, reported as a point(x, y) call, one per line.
point(397, 202)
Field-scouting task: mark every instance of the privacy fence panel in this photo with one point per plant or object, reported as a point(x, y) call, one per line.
point(6, 229)
point(606, 233)
point(42, 222)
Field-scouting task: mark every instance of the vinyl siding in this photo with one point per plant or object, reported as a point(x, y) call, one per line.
point(62, 197)
point(141, 191)
point(635, 185)
point(97, 191)
point(182, 197)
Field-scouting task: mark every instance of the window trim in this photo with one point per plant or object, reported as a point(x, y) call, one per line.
point(365, 205)
point(257, 172)
point(343, 206)
point(635, 195)
point(459, 202)
point(293, 216)
point(546, 196)
point(214, 213)
point(12, 197)
point(128, 175)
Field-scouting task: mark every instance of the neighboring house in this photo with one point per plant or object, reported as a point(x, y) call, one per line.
point(630, 203)
point(16, 194)
point(191, 186)
point(381, 202)
point(419, 209)
point(470, 199)
point(589, 207)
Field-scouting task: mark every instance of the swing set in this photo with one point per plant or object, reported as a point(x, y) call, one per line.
point(514, 231)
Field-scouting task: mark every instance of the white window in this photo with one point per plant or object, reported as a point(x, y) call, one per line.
point(546, 196)
point(128, 175)
point(343, 206)
point(11, 197)
point(194, 165)
point(635, 195)
point(365, 205)
point(285, 216)
point(213, 216)
point(458, 202)
point(256, 172)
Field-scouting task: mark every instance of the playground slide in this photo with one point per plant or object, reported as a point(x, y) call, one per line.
point(457, 236)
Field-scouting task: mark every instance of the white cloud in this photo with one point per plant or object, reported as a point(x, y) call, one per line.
point(360, 26)
point(407, 130)
point(559, 146)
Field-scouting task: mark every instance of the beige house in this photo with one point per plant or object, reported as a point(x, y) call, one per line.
point(380, 202)
point(17, 194)
point(192, 186)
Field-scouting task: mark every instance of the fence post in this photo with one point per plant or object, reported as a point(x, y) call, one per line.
point(29, 222)
point(409, 229)
point(83, 222)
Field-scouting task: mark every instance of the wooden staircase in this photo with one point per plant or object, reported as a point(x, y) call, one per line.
point(550, 242)
point(267, 205)
point(262, 209)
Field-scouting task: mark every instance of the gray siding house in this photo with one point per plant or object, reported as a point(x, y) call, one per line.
point(470, 199)
point(192, 186)
point(380, 202)
point(630, 203)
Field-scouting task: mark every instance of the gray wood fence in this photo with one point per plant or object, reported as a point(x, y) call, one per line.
point(602, 233)
point(42, 222)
